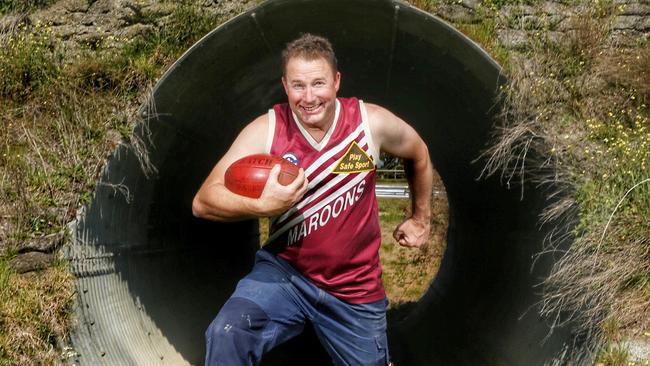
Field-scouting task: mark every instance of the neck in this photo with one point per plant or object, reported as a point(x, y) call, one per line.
point(318, 132)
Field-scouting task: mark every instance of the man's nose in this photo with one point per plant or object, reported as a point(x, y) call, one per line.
point(309, 94)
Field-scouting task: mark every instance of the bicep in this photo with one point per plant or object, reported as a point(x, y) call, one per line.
point(394, 135)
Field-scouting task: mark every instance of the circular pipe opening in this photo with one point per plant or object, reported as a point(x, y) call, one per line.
point(151, 276)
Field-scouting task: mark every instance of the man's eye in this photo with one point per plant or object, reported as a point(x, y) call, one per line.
point(298, 87)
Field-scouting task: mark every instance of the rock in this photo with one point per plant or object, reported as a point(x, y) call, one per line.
point(639, 350)
point(44, 244)
point(635, 22)
point(517, 10)
point(627, 37)
point(4, 230)
point(567, 24)
point(33, 261)
point(532, 22)
point(513, 39)
point(553, 8)
point(157, 10)
point(57, 14)
point(644, 25)
point(75, 6)
point(57, 212)
point(640, 9)
point(557, 37)
point(102, 7)
point(470, 4)
point(457, 14)
point(10, 22)
point(114, 137)
point(135, 30)
point(67, 31)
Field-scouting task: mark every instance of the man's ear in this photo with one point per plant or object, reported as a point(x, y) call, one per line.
point(285, 85)
point(337, 80)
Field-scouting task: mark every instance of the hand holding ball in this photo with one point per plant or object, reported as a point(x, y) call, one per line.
point(248, 175)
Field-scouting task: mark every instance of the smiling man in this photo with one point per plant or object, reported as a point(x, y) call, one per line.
point(321, 261)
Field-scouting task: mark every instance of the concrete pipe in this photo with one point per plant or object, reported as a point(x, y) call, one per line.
point(151, 277)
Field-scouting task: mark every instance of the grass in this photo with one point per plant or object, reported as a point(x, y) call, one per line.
point(614, 355)
point(35, 312)
point(63, 111)
point(576, 116)
point(22, 6)
point(407, 272)
point(581, 105)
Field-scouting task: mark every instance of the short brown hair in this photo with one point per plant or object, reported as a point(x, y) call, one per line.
point(309, 47)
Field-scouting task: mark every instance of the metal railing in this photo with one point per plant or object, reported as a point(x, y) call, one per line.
point(396, 191)
point(391, 174)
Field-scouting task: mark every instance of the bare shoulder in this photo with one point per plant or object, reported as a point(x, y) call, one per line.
point(251, 140)
point(391, 133)
point(377, 112)
point(258, 126)
point(383, 123)
point(253, 135)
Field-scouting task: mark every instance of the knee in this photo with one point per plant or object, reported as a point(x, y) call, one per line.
point(239, 321)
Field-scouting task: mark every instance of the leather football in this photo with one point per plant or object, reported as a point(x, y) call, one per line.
point(248, 175)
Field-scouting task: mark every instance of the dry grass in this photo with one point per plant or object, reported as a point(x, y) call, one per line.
point(35, 312)
point(575, 118)
point(62, 112)
point(407, 272)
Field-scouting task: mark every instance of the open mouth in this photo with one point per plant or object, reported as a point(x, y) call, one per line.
point(311, 109)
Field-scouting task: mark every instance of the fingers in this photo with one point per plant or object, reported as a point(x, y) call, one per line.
point(305, 182)
point(299, 181)
point(299, 185)
point(398, 234)
point(401, 238)
point(274, 174)
point(409, 235)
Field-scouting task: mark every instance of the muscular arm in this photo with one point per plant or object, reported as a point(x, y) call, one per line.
point(215, 202)
point(397, 138)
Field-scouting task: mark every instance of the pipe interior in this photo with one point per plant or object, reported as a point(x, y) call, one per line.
point(151, 276)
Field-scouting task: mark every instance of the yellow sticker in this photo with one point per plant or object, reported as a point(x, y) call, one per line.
point(355, 160)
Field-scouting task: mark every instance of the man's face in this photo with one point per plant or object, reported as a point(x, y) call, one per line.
point(311, 87)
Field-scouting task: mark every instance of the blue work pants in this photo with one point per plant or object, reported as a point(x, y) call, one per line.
point(273, 303)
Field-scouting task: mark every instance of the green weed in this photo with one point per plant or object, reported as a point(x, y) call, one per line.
point(426, 5)
point(22, 6)
point(496, 5)
point(62, 112)
point(614, 354)
point(29, 61)
point(484, 33)
point(581, 106)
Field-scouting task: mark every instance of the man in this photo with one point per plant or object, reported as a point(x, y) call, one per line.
point(321, 262)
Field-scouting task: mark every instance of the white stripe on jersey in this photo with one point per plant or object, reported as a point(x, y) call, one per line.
point(333, 151)
point(311, 197)
point(317, 207)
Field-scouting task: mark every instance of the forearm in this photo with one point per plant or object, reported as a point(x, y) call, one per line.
point(419, 174)
point(217, 203)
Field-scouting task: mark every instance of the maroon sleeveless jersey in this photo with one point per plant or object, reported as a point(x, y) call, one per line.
point(332, 235)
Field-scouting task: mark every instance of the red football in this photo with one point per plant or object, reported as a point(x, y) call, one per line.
point(247, 176)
